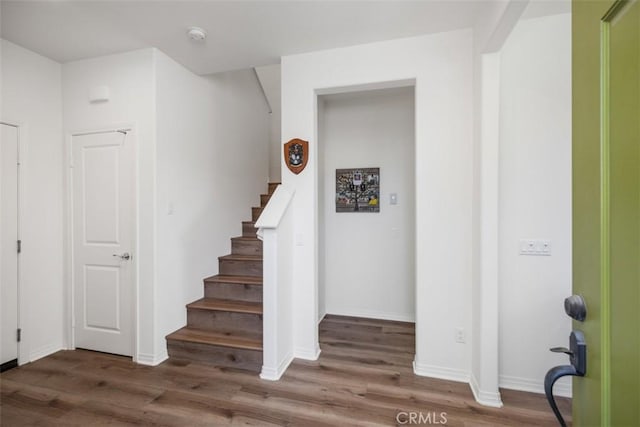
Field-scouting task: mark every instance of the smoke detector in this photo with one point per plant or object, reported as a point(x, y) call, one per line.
point(196, 34)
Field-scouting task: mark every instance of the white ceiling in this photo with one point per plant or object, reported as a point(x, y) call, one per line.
point(241, 34)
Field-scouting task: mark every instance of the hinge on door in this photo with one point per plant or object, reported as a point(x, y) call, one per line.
point(18, 334)
point(19, 245)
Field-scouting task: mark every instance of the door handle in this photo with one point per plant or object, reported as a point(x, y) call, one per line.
point(577, 352)
point(125, 256)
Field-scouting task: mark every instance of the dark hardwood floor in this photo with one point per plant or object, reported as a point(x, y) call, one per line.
point(363, 377)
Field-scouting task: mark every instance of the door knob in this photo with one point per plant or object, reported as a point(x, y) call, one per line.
point(125, 256)
point(575, 307)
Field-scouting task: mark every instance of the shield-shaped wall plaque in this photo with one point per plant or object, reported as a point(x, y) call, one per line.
point(296, 155)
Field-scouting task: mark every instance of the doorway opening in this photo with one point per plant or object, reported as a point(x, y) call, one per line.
point(366, 255)
point(10, 245)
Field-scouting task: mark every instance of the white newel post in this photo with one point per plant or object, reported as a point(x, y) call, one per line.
point(275, 230)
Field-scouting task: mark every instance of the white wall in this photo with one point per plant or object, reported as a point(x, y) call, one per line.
point(369, 258)
point(186, 223)
point(131, 80)
point(212, 142)
point(241, 133)
point(535, 199)
point(441, 67)
point(270, 79)
point(31, 96)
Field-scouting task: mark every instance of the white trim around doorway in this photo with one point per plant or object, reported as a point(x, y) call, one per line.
point(24, 355)
point(69, 318)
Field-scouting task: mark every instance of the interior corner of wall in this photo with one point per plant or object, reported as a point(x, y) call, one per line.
point(440, 372)
point(307, 353)
point(45, 350)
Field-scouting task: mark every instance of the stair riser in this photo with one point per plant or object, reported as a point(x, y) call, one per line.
point(223, 321)
point(216, 355)
point(240, 267)
point(246, 247)
point(264, 199)
point(248, 230)
point(255, 213)
point(233, 291)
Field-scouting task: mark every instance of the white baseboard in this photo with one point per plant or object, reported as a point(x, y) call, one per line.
point(44, 351)
point(151, 359)
point(398, 317)
point(440, 372)
point(274, 374)
point(306, 354)
point(321, 317)
point(485, 398)
point(561, 388)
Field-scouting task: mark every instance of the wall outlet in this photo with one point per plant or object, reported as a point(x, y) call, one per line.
point(460, 335)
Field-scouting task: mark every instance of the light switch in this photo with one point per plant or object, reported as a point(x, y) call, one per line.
point(535, 247)
point(393, 198)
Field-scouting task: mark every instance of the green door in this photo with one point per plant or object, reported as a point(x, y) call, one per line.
point(606, 208)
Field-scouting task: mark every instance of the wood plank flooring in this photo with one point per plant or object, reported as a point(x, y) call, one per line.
point(363, 377)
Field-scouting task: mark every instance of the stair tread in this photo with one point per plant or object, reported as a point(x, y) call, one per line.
point(241, 280)
point(248, 238)
point(245, 341)
point(227, 305)
point(238, 257)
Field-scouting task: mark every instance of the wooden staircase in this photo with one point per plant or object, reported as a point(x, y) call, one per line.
point(225, 327)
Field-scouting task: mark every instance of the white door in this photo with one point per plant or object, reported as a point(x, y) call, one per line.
point(103, 226)
point(8, 243)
